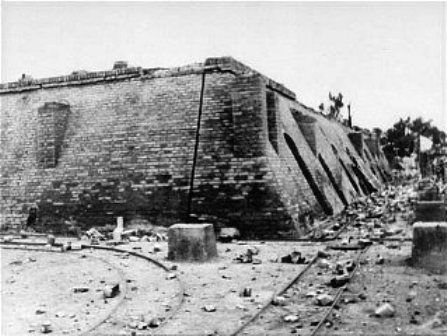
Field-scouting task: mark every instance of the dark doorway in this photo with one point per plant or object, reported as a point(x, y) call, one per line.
point(321, 198)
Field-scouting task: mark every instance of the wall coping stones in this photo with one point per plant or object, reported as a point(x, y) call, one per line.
point(223, 64)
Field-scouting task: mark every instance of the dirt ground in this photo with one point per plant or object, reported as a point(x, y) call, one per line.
point(206, 298)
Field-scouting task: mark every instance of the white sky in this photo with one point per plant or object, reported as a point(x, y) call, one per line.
point(388, 59)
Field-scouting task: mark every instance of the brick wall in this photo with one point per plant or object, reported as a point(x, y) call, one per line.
point(129, 142)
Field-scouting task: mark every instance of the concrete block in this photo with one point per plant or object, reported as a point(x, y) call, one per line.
point(191, 242)
point(430, 211)
point(430, 245)
point(430, 194)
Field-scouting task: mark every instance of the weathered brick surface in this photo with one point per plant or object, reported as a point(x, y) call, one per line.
point(121, 143)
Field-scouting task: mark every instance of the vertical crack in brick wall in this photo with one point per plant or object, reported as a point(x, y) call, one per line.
point(196, 146)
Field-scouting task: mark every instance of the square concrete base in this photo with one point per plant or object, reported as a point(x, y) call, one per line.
point(430, 245)
point(191, 242)
point(430, 194)
point(430, 211)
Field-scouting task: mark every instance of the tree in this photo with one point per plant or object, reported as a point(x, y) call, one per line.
point(401, 138)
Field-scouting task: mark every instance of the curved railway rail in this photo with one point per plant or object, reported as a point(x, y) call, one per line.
point(166, 318)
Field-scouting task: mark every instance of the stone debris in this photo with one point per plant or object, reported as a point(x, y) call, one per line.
point(324, 300)
point(323, 254)
point(170, 276)
point(380, 260)
point(247, 257)
point(246, 292)
point(324, 264)
point(338, 280)
point(209, 308)
point(227, 235)
point(93, 233)
point(385, 310)
point(133, 239)
point(279, 301)
point(80, 289)
point(110, 291)
point(154, 322)
point(45, 328)
point(294, 258)
point(291, 318)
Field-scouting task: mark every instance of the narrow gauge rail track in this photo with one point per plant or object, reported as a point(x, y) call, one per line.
point(270, 317)
point(300, 301)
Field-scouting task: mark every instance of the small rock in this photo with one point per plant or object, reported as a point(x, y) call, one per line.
point(141, 325)
point(324, 300)
point(226, 235)
point(324, 264)
point(385, 310)
point(247, 292)
point(80, 289)
point(46, 328)
point(171, 276)
point(209, 308)
point(291, 318)
point(380, 260)
point(338, 281)
point(311, 294)
point(154, 322)
point(279, 301)
point(40, 311)
point(323, 254)
point(111, 291)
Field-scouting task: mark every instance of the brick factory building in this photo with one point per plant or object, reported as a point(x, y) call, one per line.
point(216, 139)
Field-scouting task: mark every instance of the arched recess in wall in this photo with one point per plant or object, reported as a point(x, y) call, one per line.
point(366, 186)
point(353, 183)
point(332, 179)
point(384, 178)
point(321, 198)
point(367, 155)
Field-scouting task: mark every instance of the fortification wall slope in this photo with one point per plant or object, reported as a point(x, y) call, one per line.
point(217, 139)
